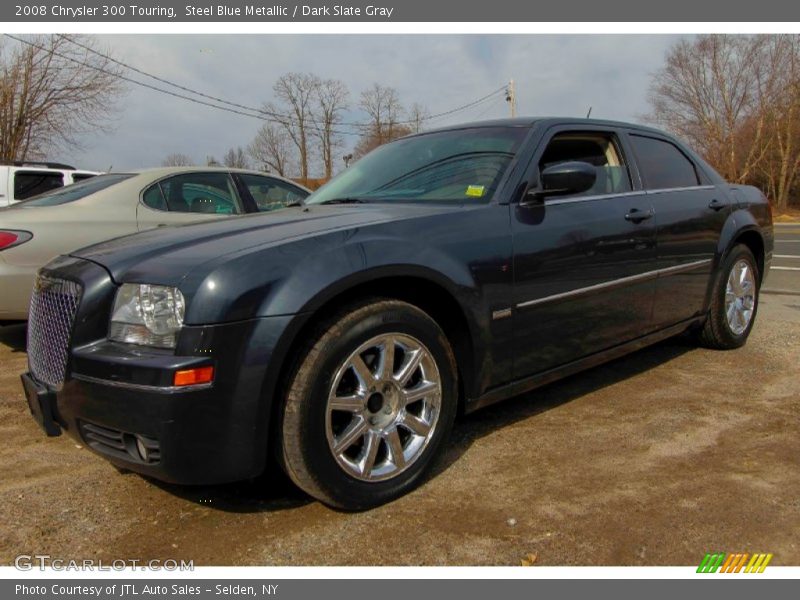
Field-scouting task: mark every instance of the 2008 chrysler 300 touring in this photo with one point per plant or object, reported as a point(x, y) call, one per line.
point(445, 270)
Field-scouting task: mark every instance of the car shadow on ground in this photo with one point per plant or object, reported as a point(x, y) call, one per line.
point(474, 426)
point(271, 492)
point(275, 492)
point(13, 336)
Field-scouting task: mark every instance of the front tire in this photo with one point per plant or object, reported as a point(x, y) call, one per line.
point(734, 301)
point(369, 405)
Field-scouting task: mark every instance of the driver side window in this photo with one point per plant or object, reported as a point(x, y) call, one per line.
point(601, 150)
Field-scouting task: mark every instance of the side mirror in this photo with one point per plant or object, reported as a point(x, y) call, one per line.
point(564, 178)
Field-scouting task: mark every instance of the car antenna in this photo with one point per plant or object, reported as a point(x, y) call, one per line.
point(589, 114)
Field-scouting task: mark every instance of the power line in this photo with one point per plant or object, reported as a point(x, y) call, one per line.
point(261, 110)
point(232, 107)
point(163, 91)
point(171, 83)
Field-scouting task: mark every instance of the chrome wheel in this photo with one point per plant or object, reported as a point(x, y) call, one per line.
point(740, 297)
point(383, 406)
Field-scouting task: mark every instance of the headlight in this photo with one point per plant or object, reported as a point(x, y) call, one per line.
point(150, 315)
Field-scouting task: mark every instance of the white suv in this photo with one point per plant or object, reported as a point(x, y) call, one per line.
point(20, 180)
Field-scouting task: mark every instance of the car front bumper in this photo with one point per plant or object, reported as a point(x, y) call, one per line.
point(119, 400)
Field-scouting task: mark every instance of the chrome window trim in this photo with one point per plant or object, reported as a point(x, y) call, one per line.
point(593, 197)
point(140, 387)
point(680, 189)
point(617, 282)
point(556, 201)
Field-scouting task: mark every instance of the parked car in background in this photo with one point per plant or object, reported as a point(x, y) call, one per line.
point(443, 271)
point(21, 180)
point(106, 206)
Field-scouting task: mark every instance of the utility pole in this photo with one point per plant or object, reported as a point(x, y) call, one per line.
point(511, 98)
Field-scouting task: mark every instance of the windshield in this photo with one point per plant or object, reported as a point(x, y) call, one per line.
point(463, 166)
point(76, 191)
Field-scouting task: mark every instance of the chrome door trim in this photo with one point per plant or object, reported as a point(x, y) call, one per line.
point(617, 282)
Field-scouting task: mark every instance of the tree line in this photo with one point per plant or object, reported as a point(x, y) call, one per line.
point(736, 100)
point(55, 89)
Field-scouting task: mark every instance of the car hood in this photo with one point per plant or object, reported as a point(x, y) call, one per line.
point(165, 255)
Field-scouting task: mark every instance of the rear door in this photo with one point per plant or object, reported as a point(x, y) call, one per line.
point(689, 215)
point(188, 198)
point(582, 262)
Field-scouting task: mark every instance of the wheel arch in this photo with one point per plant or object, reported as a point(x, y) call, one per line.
point(742, 228)
point(755, 242)
point(427, 291)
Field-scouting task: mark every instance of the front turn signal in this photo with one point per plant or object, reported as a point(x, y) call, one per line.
point(193, 376)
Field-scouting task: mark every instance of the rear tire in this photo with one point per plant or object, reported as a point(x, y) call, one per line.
point(369, 405)
point(734, 301)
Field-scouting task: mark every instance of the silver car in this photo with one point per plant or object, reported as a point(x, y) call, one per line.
point(37, 230)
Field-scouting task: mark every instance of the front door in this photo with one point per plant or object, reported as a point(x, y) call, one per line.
point(582, 263)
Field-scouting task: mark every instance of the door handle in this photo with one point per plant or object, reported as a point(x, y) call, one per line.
point(716, 204)
point(636, 215)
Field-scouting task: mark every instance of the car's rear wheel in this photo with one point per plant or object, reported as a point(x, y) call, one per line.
point(369, 405)
point(734, 301)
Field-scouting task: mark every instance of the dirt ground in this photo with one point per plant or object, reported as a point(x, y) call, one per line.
point(653, 459)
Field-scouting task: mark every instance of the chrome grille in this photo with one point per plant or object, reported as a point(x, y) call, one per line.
point(53, 306)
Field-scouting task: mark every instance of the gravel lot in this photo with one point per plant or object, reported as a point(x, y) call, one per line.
point(653, 459)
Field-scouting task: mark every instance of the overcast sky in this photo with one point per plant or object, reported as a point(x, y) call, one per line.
point(555, 76)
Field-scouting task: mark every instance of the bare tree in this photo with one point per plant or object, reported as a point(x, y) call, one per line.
point(211, 161)
point(52, 91)
point(781, 165)
point(177, 159)
point(737, 100)
point(273, 149)
point(382, 104)
point(706, 91)
point(296, 92)
point(235, 158)
point(331, 100)
point(417, 115)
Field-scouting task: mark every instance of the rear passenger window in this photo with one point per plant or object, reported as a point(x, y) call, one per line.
point(600, 150)
point(33, 183)
point(663, 165)
point(211, 193)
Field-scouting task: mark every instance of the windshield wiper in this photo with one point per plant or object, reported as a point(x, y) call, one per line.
point(344, 201)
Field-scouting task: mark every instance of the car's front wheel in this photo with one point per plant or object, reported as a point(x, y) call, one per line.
point(734, 301)
point(369, 405)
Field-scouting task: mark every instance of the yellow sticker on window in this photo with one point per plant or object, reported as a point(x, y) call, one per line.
point(475, 191)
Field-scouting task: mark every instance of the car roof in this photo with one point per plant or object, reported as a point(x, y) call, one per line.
point(159, 172)
point(546, 121)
